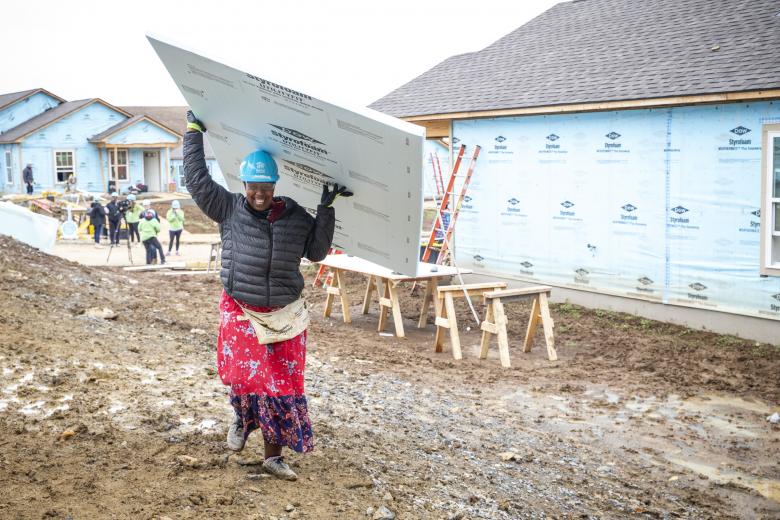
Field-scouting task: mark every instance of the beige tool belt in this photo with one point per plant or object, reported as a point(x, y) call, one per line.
point(279, 325)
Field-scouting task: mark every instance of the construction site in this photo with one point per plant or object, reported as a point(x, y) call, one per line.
point(538, 280)
point(111, 403)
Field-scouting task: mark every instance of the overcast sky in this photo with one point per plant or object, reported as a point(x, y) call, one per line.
point(348, 51)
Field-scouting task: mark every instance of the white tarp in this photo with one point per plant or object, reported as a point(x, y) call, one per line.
point(377, 157)
point(22, 224)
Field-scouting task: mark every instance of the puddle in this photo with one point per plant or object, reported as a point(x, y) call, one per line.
point(207, 424)
point(710, 402)
point(117, 408)
point(32, 408)
point(765, 487)
point(61, 408)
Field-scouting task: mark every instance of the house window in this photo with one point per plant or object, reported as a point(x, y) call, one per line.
point(9, 169)
point(118, 163)
point(182, 179)
point(63, 165)
point(770, 203)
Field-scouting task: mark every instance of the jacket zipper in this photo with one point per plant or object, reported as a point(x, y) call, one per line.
point(270, 259)
point(232, 263)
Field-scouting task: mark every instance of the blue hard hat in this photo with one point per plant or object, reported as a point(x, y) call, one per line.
point(259, 166)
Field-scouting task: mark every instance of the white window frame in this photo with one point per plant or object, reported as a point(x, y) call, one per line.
point(56, 168)
point(111, 164)
point(9, 167)
point(770, 237)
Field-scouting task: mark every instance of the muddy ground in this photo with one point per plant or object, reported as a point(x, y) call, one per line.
point(126, 417)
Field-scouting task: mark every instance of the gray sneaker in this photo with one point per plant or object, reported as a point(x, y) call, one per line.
point(278, 468)
point(235, 436)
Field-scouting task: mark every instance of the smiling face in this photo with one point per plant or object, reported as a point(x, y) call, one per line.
point(259, 194)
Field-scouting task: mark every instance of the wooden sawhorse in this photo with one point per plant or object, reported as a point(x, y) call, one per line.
point(445, 311)
point(496, 321)
point(385, 282)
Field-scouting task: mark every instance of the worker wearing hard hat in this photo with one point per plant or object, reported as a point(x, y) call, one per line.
point(147, 207)
point(133, 217)
point(175, 218)
point(264, 238)
point(114, 219)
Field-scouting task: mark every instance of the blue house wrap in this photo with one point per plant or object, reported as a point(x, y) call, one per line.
point(88, 140)
point(629, 149)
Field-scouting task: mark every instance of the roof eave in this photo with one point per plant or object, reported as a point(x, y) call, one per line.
point(596, 106)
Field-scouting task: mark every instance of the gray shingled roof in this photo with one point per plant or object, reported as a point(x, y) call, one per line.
point(13, 97)
point(31, 125)
point(607, 50)
point(108, 132)
point(174, 118)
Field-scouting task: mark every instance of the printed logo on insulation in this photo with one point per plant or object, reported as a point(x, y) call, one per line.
point(753, 225)
point(581, 275)
point(513, 209)
point(613, 145)
point(567, 213)
point(645, 283)
point(499, 148)
point(305, 174)
point(295, 140)
point(553, 146)
point(698, 287)
point(627, 216)
point(739, 141)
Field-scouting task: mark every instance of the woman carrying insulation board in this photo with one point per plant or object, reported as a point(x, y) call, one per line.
point(261, 347)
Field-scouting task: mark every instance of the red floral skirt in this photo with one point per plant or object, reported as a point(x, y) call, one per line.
point(266, 381)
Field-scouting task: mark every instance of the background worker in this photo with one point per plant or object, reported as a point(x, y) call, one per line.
point(97, 217)
point(114, 219)
point(27, 177)
point(149, 227)
point(133, 217)
point(263, 240)
point(175, 218)
point(148, 209)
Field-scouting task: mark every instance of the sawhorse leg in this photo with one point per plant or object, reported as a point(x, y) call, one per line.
point(495, 312)
point(341, 292)
point(449, 305)
point(540, 311)
point(370, 288)
point(389, 301)
point(430, 294)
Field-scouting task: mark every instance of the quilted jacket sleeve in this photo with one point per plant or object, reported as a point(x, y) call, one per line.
point(214, 200)
point(321, 234)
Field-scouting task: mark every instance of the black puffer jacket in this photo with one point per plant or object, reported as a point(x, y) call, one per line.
point(260, 259)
